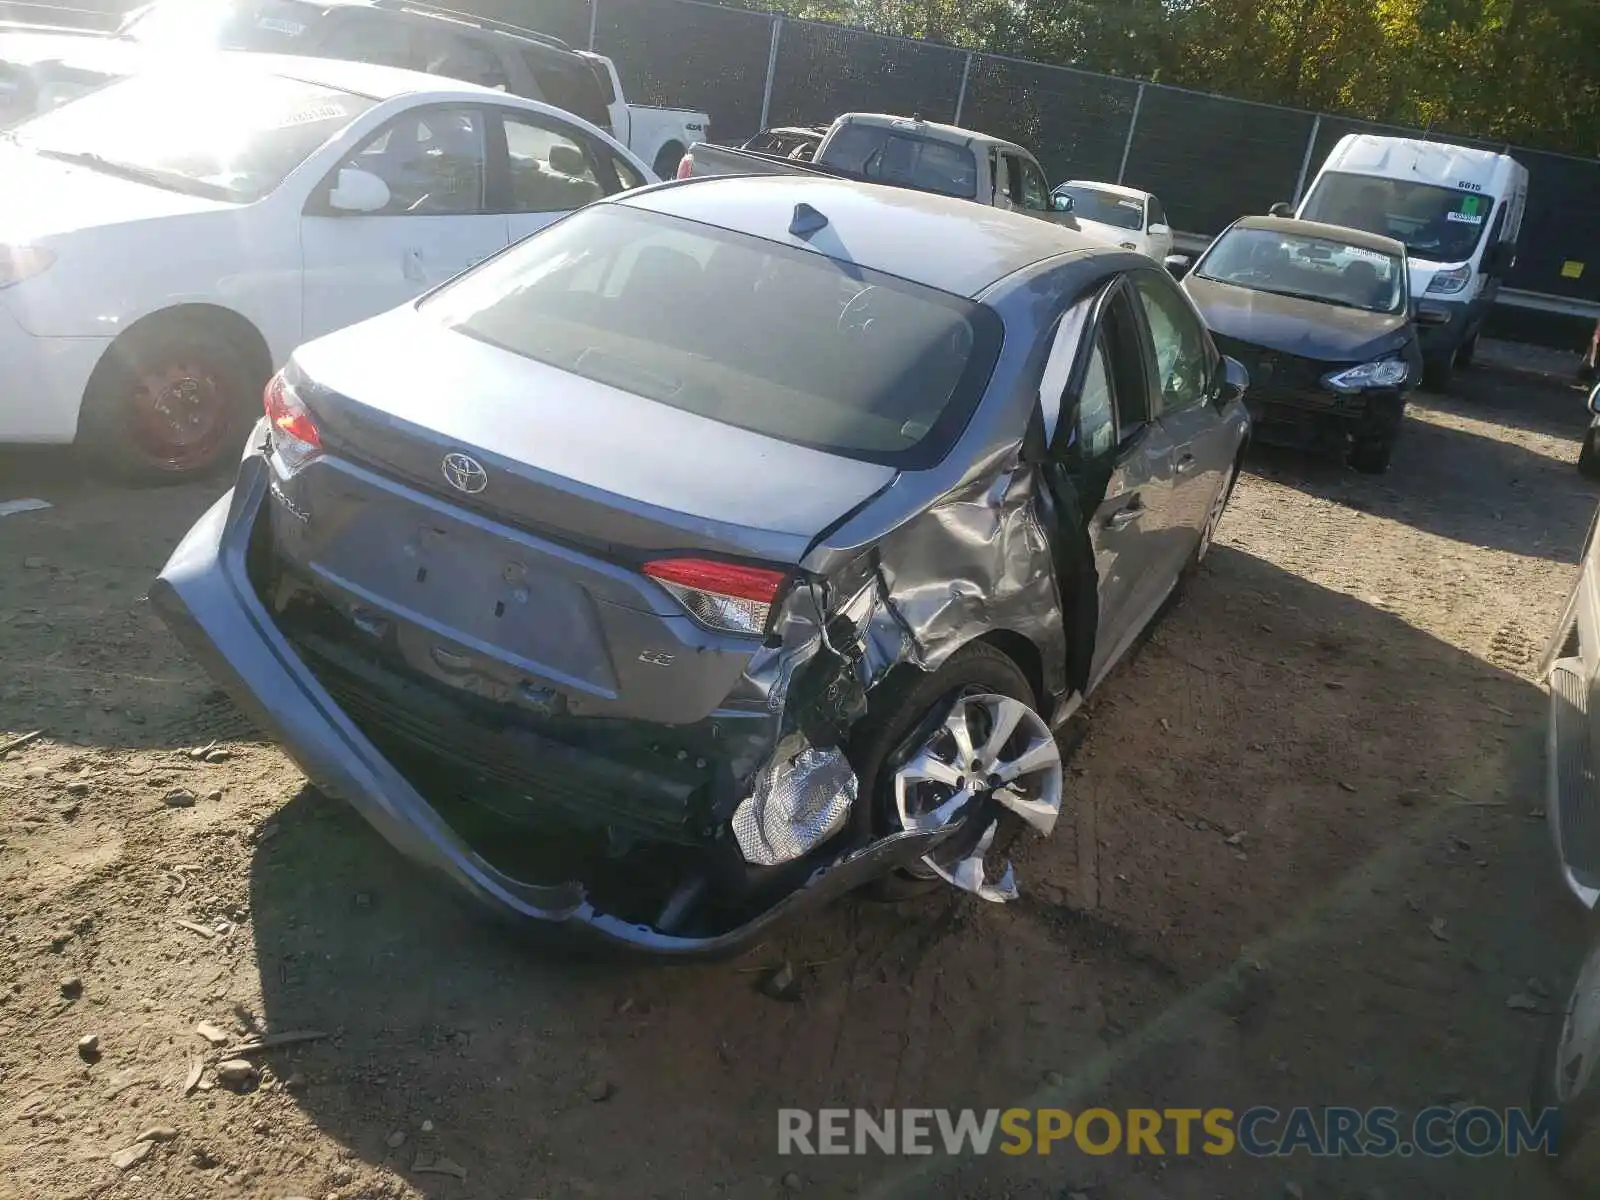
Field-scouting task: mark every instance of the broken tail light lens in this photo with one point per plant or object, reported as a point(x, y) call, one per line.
point(294, 434)
point(726, 597)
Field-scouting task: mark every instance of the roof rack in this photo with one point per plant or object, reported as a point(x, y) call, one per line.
point(464, 18)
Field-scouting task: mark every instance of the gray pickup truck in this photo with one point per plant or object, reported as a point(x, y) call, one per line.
point(905, 152)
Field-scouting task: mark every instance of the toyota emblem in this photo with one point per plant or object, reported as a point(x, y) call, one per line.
point(464, 473)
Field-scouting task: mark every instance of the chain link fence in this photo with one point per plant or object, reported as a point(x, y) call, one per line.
point(1209, 158)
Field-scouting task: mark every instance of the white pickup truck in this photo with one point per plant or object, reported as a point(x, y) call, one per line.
point(906, 152)
point(43, 69)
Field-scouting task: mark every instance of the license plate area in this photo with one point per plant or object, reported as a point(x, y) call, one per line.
point(476, 594)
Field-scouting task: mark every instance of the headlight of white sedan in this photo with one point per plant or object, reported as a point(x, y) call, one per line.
point(1385, 373)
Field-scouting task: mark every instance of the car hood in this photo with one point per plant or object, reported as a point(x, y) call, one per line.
point(1305, 328)
point(401, 390)
point(1111, 235)
point(44, 199)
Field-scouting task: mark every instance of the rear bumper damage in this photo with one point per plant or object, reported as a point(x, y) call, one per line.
point(207, 595)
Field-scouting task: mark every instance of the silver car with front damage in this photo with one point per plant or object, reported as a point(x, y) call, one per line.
point(718, 549)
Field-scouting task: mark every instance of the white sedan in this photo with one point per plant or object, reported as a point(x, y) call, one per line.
point(167, 240)
point(1120, 216)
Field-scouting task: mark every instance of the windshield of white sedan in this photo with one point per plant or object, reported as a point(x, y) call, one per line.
point(781, 341)
point(272, 26)
point(230, 137)
point(1104, 208)
point(1440, 224)
point(1311, 268)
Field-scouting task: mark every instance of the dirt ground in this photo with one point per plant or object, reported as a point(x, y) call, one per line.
point(1302, 862)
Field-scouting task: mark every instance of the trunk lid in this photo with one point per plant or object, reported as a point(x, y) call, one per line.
point(568, 456)
point(529, 591)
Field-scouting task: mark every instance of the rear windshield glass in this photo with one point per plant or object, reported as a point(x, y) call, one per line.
point(1309, 268)
point(781, 341)
point(886, 155)
point(1440, 224)
point(1104, 208)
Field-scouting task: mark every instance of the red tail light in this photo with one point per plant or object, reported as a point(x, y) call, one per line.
point(686, 166)
point(727, 597)
point(288, 415)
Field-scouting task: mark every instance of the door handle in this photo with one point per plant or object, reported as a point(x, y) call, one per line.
point(1187, 463)
point(1124, 517)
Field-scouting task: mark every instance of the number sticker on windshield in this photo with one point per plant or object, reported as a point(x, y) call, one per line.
point(279, 25)
point(310, 116)
point(1471, 211)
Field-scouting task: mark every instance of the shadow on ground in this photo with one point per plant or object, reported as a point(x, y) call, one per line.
point(1503, 491)
point(545, 1077)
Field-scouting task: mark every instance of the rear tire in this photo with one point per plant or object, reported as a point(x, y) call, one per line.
point(1438, 370)
point(1566, 1081)
point(894, 713)
point(169, 403)
point(1208, 531)
point(1589, 455)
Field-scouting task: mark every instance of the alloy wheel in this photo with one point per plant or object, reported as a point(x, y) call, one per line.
point(991, 752)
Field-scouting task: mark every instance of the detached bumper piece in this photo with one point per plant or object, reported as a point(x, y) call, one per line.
point(350, 728)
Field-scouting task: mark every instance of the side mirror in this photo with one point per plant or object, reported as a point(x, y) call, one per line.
point(1159, 230)
point(1061, 203)
point(1498, 260)
point(1235, 380)
point(1177, 265)
point(1594, 400)
point(1281, 209)
point(358, 191)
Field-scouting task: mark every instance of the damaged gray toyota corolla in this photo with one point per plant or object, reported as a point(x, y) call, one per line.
point(718, 549)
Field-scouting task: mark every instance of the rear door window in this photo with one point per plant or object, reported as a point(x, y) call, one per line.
point(904, 158)
point(457, 56)
point(569, 83)
point(551, 168)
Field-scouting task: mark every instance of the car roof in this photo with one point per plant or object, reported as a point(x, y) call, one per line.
point(1337, 233)
point(1116, 189)
point(1401, 157)
point(917, 125)
point(882, 228)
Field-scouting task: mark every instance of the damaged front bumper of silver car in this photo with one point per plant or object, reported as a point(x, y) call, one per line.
point(792, 833)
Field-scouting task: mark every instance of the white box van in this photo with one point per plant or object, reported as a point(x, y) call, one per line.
point(1459, 213)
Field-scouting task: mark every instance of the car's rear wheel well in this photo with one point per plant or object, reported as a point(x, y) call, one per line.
point(667, 158)
point(1026, 655)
